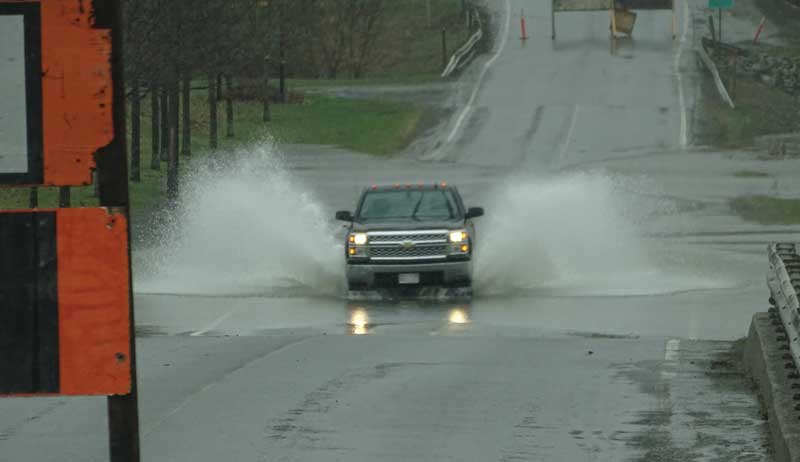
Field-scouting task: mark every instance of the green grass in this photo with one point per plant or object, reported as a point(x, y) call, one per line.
point(760, 110)
point(751, 174)
point(366, 126)
point(310, 84)
point(767, 210)
point(788, 52)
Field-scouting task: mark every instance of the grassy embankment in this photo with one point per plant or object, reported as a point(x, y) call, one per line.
point(760, 110)
point(768, 210)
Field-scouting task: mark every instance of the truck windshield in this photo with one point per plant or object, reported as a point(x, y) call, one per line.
point(425, 204)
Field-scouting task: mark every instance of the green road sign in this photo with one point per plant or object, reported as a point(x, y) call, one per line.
point(720, 4)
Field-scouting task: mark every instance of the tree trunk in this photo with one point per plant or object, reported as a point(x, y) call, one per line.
point(174, 155)
point(212, 112)
point(155, 124)
point(282, 71)
point(267, 114)
point(229, 106)
point(33, 198)
point(136, 133)
point(164, 152)
point(186, 149)
point(282, 51)
point(64, 197)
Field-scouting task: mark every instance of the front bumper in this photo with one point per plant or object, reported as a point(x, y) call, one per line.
point(447, 273)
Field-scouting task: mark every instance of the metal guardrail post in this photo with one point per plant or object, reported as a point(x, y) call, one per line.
point(463, 54)
point(723, 92)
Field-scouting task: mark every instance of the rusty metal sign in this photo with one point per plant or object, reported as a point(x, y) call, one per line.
point(64, 308)
point(20, 94)
point(56, 109)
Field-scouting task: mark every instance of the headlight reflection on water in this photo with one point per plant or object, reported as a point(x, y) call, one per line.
point(458, 316)
point(359, 321)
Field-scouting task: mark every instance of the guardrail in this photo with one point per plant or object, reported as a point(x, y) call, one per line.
point(464, 54)
point(784, 284)
point(723, 92)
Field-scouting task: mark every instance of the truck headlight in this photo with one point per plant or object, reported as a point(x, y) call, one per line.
point(458, 236)
point(358, 238)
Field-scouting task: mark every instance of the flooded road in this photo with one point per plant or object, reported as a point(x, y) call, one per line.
point(612, 280)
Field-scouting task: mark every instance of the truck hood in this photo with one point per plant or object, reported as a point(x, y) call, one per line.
point(407, 225)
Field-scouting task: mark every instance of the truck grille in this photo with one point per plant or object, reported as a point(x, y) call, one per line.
point(436, 236)
point(426, 251)
point(408, 245)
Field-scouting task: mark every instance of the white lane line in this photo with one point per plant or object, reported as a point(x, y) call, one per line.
point(571, 130)
point(468, 107)
point(672, 351)
point(684, 136)
point(212, 326)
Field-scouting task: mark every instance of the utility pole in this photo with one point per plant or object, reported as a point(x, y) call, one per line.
point(444, 48)
point(64, 197)
point(112, 182)
point(282, 52)
point(430, 19)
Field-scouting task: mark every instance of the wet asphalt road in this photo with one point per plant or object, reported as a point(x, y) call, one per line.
point(614, 357)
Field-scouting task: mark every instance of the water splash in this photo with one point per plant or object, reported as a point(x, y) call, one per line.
point(244, 227)
point(577, 235)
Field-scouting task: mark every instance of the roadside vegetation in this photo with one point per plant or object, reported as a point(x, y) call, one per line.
point(204, 77)
point(751, 174)
point(760, 110)
point(766, 91)
point(767, 210)
point(372, 127)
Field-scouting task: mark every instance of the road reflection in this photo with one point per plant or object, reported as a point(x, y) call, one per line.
point(363, 318)
point(458, 316)
point(359, 321)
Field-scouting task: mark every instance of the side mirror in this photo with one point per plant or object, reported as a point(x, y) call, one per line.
point(474, 212)
point(344, 215)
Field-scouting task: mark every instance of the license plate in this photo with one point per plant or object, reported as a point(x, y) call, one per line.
point(408, 278)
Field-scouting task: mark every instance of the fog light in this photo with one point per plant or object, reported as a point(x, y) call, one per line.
point(352, 251)
point(465, 248)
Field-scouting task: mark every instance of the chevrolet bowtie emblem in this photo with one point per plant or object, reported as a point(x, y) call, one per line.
point(407, 245)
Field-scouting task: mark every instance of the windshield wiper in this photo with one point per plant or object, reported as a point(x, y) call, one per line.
point(416, 207)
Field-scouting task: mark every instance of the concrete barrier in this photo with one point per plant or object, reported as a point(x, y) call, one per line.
point(764, 359)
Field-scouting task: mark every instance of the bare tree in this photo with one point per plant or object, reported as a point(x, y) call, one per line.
point(229, 106)
point(348, 30)
point(136, 132)
point(174, 157)
point(213, 142)
point(186, 99)
point(155, 126)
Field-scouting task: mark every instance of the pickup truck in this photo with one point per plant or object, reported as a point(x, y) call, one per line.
point(406, 235)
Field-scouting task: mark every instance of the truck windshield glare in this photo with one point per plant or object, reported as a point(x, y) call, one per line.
point(378, 205)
